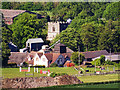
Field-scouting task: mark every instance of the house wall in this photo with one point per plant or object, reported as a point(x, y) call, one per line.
point(113, 57)
point(108, 57)
point(36, 60)
point(44, 61)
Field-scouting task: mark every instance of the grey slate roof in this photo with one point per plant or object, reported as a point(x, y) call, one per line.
point(93, 54)
point(35, 40)
point(11, 13)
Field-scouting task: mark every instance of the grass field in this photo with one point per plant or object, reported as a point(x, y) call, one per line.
point(14, 72)
point(88, 85)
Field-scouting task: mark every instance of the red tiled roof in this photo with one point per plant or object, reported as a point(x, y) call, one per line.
point(49, 56)
point(55, 56)
point(93, 54)
point(11, 13)
point(32, 55)
point(66, 54)
point(40, 54)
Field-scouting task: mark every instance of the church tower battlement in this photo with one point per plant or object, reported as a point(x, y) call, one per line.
point(55, 28)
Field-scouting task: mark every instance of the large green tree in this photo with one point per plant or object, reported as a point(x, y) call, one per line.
point(6, 38)
point(89, 35)
point(112, 11)
point(76, 56)
point(27, 26)
point(109, 38)
point(71, 38)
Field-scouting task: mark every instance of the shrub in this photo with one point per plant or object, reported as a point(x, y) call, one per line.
point(108, 62)
point(53, 65)
point(12, 65)
point(53, 74)
point(70, 64)
point(61, 65)
point(25, 64)
point(39, 66)
point(57, 74)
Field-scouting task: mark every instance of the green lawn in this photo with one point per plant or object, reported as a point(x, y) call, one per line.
point(88, 85)
point(14, 72)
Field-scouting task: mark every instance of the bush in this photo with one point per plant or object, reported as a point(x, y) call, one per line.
point(70, 64)
point(53, 65)
point(57, 74)
point(39, 66)
point(25, 64)
point(53, 74)
point(12, 65)
point(61, 65)
point(108, 62)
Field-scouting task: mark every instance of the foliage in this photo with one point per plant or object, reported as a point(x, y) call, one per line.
point(109, 38)
point(96, 62)
point(25, 64)
point(108, 62)
point(70, 64)
point(53, 65)
point(99, 61)
point(75, 58)
point(27, 26)
point(102, 59)
point(111, 11)
point(6, 38)
point(89, 34)
point(94, 26)
point(57, 74)
point(71, 38)
point(12, 65)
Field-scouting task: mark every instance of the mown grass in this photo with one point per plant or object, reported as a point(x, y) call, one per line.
point(89, 85)
point(14, 72)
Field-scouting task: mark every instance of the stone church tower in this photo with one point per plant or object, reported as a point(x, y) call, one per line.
point(55, 28)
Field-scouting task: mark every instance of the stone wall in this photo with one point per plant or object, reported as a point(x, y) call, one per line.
point(55, 28)
point(34, 82)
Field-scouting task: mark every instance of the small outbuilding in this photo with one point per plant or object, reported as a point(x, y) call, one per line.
point(34, 44)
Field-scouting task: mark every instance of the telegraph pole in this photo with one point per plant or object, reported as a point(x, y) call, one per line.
point(79, 54)
point(110, 54)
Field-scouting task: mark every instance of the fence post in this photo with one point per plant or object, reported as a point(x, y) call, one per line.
point(37, 70)
point(34, 69)
point(28, 69)
point(20, 69)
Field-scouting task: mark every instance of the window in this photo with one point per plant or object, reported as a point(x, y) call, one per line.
point(36, 59)
point(28, 44)
point(53, 28)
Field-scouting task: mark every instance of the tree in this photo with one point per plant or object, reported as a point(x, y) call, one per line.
point(88, 35)
point(6, 38)
point(109, 38)
point(96, 62)
point(111, 11)
point(102, 59)
point(75, 57)
point(71, 38)
point(99, 61)
point(27, 26)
